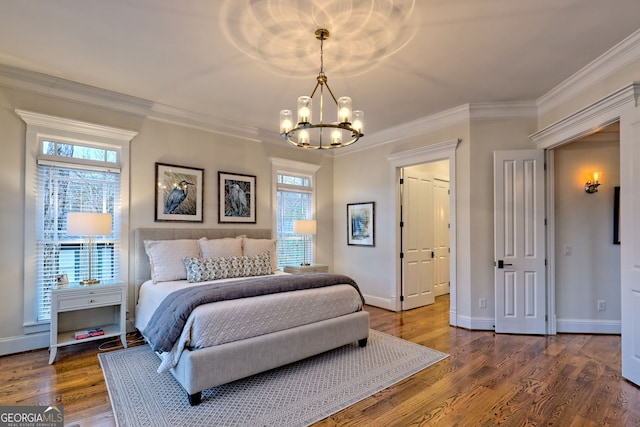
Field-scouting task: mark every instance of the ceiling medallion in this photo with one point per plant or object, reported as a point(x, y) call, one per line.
point(322, 135)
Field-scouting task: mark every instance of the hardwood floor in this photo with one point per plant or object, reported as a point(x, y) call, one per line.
point(488, 380)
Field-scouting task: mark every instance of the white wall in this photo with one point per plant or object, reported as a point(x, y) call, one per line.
point(584, 227)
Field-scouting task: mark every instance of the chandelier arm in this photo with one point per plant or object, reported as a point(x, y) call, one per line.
point(331, 92)
point(314, 89)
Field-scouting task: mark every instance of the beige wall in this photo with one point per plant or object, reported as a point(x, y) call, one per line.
point(584, 224)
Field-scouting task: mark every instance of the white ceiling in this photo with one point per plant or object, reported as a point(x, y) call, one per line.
point(239, 62)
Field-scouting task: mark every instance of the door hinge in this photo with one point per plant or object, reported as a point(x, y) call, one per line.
point(401, 224)
point(401, 181)
point(545, 262)
point(401, 255)
point(401, 298)
point(433, 254)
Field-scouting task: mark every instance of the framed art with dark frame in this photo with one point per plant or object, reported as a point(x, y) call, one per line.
point(361, 224)
point(236, 198)
point(179, 193)
point(616, 215)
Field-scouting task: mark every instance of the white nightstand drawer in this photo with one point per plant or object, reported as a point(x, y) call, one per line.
point(313, 268)
point(89, 300)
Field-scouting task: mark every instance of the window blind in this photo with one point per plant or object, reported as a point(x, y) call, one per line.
point(72, 188)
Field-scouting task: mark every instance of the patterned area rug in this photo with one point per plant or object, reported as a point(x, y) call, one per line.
point(295, 395)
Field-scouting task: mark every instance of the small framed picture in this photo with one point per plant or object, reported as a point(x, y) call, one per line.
point(236, 198)
point(62, 279)
point(179, 193)
point(361, 224)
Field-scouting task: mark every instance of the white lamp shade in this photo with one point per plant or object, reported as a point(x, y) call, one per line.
point(304, 226)
point(88, 224)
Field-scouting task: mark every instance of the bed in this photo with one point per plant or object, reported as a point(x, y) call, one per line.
point(251, 335)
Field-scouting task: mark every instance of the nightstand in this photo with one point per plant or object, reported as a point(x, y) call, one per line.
point(75, 308)
point(313, 268)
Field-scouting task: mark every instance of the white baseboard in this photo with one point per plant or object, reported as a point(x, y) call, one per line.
point(476, 323)
point(22, 343)
point(580, 326)
point(387, 304)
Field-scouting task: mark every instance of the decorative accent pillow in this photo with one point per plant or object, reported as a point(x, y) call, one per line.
point(165, 258)
point(257, 246)
point(218, 248)
point(205, 269)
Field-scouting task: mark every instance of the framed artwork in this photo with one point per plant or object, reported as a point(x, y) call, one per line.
point(361, 224)
point(236, 198)
point(62, 279)
point(179, 193)
point(616, 215)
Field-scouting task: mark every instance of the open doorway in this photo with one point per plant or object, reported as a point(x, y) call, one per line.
point(586, 261)
point(425, 233)
point(446, 151)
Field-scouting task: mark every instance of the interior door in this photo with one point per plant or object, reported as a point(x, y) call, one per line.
point(519, 234)
point(441, 231)
point(417, 239)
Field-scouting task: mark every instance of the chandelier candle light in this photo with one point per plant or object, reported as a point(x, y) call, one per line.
point(321, 136)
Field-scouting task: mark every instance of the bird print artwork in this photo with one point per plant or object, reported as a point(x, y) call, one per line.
point(179, 193)
point(177, 196)
point(237, 200)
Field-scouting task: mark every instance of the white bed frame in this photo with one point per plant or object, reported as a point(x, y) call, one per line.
point(201, 369)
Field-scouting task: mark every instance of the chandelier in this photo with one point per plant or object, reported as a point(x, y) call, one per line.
point(322, 135)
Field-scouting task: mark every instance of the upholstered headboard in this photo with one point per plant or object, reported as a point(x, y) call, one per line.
point(142, 267)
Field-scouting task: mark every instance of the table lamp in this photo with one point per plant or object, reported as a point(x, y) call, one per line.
point(89, 224)
point(305, 227)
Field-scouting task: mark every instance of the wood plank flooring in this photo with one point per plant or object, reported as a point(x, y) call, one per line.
point(488, 380)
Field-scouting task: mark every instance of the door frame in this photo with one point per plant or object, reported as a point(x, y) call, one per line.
point(445, 150)
point(619, 106)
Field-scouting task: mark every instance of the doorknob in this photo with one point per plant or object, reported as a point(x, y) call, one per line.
point(501, 264)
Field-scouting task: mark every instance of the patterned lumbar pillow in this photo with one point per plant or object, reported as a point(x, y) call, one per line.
point(206, 269)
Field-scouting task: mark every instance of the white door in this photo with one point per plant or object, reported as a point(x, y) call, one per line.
point(520, 284)
point(442, 231)
point(417, 239)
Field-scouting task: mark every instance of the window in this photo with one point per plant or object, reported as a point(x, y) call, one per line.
point(295, 199)
point(65, 185)
point(71, 167)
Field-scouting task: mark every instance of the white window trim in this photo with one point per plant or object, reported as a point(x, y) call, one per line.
point(41, 126)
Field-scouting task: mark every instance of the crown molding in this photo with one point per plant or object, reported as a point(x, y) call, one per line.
point(615, 59)
point(53, 87)
point(589, 119)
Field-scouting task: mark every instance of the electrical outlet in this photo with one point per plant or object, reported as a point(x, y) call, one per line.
point(601, 305)
point(483, 303)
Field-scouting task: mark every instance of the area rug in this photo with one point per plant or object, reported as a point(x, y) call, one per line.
point(298, 394)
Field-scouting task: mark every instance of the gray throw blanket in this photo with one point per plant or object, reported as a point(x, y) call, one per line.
point(166, 323)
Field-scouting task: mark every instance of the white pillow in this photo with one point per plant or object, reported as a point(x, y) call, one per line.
point(258, 246)
point(218, 248)
point(165, 257)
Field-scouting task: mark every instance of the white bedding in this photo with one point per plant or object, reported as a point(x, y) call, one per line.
point(227, 321)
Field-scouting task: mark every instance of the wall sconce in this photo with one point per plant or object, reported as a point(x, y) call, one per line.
point(592, 186)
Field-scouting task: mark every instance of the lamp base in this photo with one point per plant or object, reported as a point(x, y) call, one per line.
point(89, 282)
